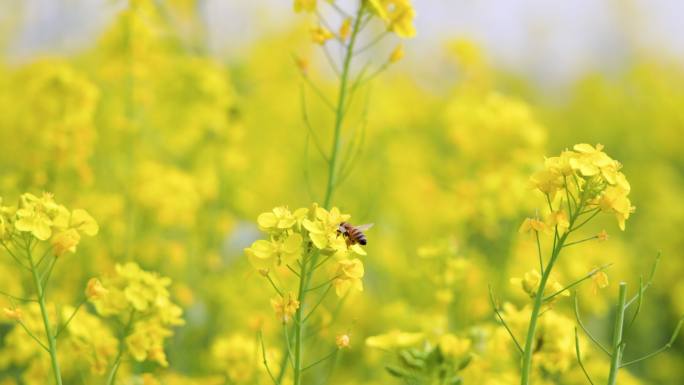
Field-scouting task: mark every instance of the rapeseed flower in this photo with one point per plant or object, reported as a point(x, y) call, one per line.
point(349, 274)
point(398, 15)
point(285, 306)
point(591, 178)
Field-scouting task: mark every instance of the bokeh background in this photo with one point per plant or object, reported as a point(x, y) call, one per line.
point(175, 123)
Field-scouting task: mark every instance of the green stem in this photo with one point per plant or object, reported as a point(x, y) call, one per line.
point(339, 112)
point(534, 317)
point(305, 276)
point(616, 354)
point(539, 298)
point(117, 361)
point(299, 328)
point(52, 342)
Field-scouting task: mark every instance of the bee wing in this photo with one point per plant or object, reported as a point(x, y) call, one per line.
point(364, 227)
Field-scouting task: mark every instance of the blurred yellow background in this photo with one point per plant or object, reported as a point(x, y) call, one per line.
point(175, 123)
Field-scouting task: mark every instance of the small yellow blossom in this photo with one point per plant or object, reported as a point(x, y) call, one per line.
point(13, 313)
point(285, 307)
point(39, 215)
point(95, 290)
point(323, 228)
point(614, 200)
point(397, 14)
point(320, 35)
point(532, 224)
point(280, 219)
point(342, 341)
point(397, 54)
point(264, 254)
point(547, 181)
point(349, 274)
point(64, 241)
point(345, 29)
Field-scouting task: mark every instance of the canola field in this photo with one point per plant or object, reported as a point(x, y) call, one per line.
point(168, 217)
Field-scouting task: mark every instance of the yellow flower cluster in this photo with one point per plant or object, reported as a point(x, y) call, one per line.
point(141, 300)
point(294, 239)
point(592, 175)
point(398, 15)
point(291, 235)
point(44, 219)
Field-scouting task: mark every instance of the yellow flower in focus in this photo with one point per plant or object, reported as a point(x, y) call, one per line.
point(323, 228)
point(342, 341)
point(285, 307)
point(614, 200)
point(95, 290)
point(280, 219)
point(264, 254)
point(590, 160)
point(345, 29)
point(349, 274)
point(529, 282)
point(453, 346)
point(64, 241)
point(304, 5)
point(13, 313)
point(397, 54)
point(397, 14)
point(532, 224)
point(39, 215)
point(394, 339)
point(320, 34)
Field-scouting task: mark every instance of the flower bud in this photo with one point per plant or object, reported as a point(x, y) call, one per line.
point(397, 54)
point(342, 341)
point(95, 290)
point(13, 314)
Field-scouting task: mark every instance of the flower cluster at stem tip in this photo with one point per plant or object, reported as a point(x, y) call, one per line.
point(44, 219)
point(293, 238)
point(140, 300)
point(591, 177)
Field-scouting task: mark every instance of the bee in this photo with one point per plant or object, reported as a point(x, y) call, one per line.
point(354, 234)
